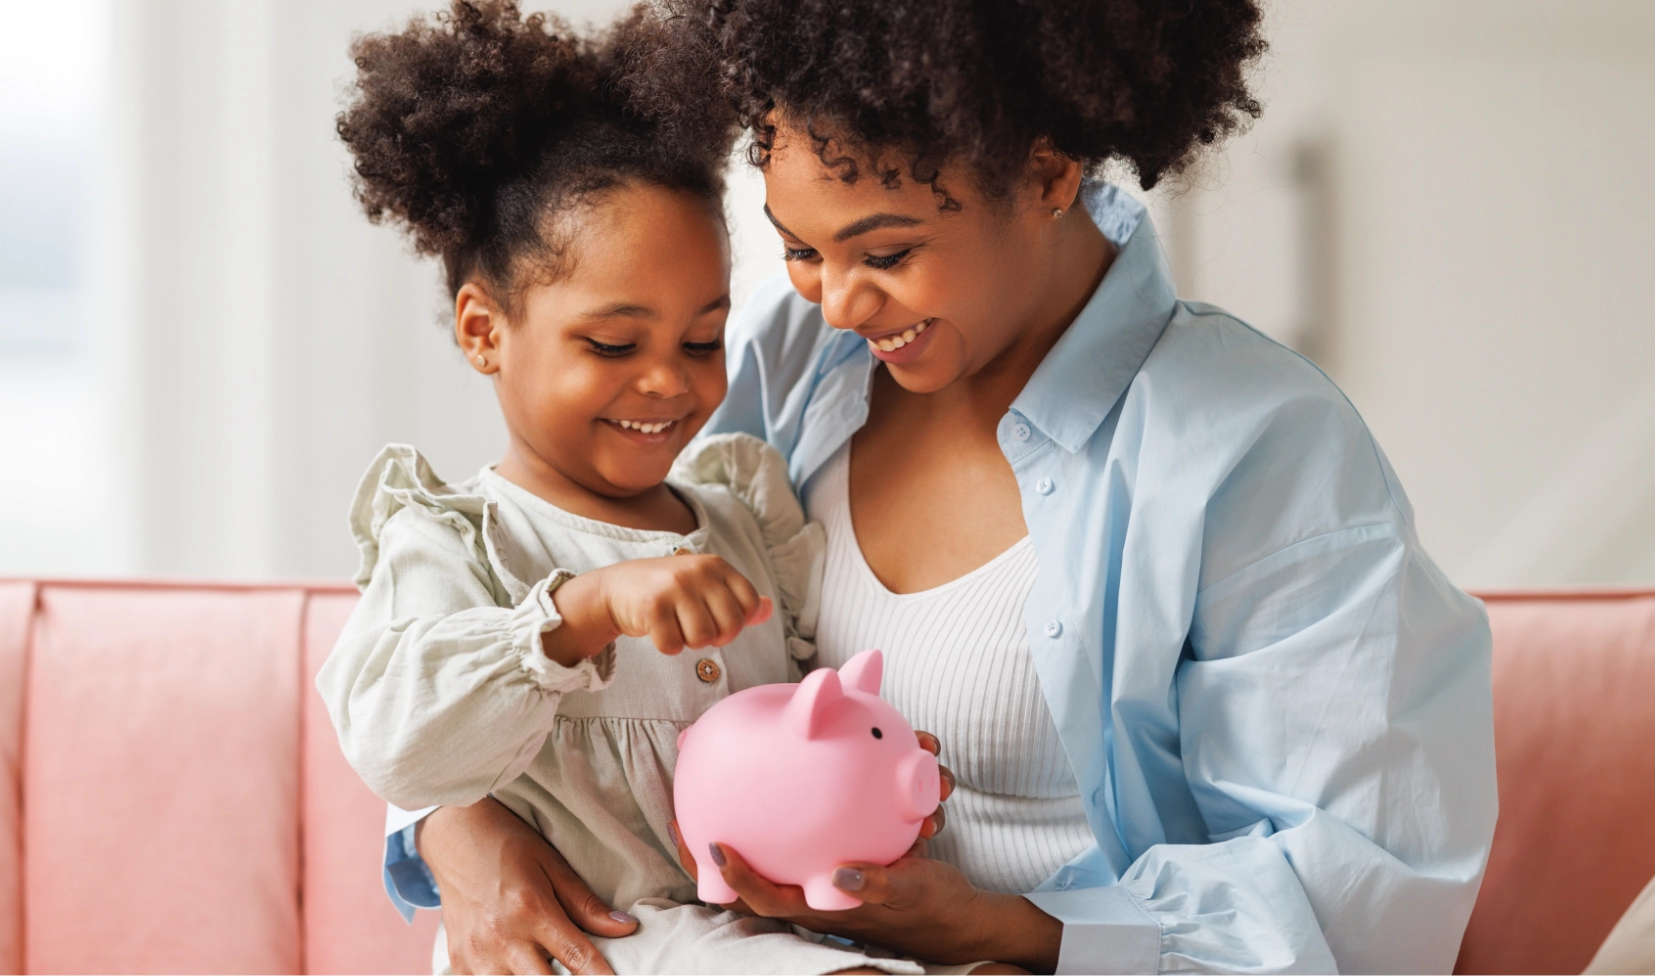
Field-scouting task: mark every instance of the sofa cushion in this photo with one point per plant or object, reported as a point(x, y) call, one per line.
point(161, 774)
point(1574, 724)
point(350, 926)
point(16, 616)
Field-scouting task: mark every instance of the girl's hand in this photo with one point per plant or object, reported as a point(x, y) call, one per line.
point(675, 601)
point(509, 900)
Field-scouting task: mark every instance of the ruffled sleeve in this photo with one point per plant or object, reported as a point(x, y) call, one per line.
point(756, 474)
point(438, 686)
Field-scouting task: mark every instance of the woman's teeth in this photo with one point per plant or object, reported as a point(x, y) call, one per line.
point(892, 343)
point(644, 428)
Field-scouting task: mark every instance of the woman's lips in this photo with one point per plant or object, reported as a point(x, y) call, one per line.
point(903, 347)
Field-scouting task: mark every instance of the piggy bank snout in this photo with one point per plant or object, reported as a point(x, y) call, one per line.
point(918, 786)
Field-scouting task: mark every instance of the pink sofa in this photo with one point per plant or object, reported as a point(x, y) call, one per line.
point(172, 798)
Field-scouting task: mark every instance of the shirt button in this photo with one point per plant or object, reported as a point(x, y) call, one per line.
point(683, 551)
point(707, 670)
point(1044, 486)
point(1053, 628)
point(1021, 432)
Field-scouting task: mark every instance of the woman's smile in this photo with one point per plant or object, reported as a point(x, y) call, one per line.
point(904, 346)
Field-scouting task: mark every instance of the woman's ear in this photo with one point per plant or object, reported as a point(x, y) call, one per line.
point(1055, 177)
point(478, 323)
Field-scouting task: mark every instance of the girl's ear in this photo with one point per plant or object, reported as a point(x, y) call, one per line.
point(478, 323)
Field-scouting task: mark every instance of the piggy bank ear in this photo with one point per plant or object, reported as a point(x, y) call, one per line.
point(807, 713)
point(864, 672)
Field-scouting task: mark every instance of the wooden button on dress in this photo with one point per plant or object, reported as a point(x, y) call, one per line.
point(682, 551)
point(707, 670)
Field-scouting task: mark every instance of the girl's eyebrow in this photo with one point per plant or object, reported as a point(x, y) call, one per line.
point(855, 228)
point(630, 311)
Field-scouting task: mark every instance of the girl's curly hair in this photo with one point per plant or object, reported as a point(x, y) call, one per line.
point(910, 85)
point(475, 128)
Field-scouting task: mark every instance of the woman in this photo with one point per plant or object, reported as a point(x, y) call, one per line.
point(1144, 571)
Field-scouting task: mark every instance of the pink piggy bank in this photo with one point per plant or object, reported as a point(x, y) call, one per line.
point(800, 779)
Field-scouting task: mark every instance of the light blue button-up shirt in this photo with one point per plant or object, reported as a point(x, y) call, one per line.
point(1277, 708)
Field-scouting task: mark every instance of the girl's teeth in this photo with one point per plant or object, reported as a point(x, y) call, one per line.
point(645, 428)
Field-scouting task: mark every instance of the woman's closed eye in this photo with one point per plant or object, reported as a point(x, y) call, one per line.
point(885, 262)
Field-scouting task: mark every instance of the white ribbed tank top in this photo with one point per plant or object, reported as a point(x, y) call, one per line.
point(957, 664)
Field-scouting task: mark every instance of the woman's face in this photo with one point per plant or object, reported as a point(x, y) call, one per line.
point(606, 373)
point(938, 295)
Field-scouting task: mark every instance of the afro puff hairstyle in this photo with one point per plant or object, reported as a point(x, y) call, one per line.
point(903, 87)
point(473, 129)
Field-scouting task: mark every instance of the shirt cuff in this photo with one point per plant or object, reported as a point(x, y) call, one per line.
point(408, 880)
point(538, 614)
point(1105, 930)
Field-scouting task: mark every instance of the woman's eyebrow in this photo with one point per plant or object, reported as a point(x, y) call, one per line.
point(874, 222)
point(855, 228)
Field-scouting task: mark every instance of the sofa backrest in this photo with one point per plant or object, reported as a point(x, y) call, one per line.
point(173, 799)
point(1574, 740)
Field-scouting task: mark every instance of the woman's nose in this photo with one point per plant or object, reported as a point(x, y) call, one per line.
point(848, 300)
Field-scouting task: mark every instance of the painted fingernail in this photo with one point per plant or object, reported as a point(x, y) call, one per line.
point(848, 879)
point(717, 853)
point(672, 829)
point(622, 918)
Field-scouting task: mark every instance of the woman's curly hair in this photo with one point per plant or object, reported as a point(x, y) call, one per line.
point(475, 128)
point(911, 85)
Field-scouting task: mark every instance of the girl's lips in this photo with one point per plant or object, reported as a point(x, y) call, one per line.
point(909, 351)
point(641, 432)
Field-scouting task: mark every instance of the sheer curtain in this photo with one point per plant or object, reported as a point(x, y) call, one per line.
point(270, 338)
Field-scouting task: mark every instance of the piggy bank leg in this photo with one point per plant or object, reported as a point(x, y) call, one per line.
point(821, 895)
point(710, 888)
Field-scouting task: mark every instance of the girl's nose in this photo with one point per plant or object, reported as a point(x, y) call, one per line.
point(848, 299)
point(664, 378)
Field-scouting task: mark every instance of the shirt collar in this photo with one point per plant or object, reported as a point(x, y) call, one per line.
point(1094, 361)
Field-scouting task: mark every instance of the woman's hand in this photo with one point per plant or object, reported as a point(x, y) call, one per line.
point(920, 906)
point(508, 899)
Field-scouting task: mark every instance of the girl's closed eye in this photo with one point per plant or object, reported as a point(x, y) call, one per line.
point(611, 349)
point(704, 348)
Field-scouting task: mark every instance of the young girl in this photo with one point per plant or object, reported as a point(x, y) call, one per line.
point(520, 633)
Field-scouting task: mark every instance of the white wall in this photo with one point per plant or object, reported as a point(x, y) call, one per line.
point(1445, 205)
point(1485, 224)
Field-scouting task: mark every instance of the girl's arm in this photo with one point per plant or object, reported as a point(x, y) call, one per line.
point(438, 694)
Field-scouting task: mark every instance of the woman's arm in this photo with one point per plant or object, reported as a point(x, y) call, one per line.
point(509, 900)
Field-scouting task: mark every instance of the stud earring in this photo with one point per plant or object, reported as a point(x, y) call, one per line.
point(482, 363)
point(1057, 213)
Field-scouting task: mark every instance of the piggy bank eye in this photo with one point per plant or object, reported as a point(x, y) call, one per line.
point(878, 734)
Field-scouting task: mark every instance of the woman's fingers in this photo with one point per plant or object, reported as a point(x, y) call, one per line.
point(527, 961)
point(934, 823)
point(760, 895)
point(582, 905)
point(685, 858)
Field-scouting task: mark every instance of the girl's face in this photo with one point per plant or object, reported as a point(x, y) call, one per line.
point(605, 374)
point(938, 295)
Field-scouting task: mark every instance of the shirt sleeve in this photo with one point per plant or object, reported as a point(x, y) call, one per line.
point(1348, 828)
point(437, 694)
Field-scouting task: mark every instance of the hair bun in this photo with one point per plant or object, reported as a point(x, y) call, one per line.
point(453, 106)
